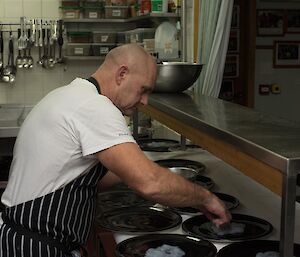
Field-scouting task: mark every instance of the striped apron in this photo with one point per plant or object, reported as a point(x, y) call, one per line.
point(54, 224)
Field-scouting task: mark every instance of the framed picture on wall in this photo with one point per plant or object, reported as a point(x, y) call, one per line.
point(231, 69)
point(293, 21)
point(235, 20)
point(286, 54)
point(234, 42)
point(270, 22)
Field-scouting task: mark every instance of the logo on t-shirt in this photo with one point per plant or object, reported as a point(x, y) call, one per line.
point(123, 134)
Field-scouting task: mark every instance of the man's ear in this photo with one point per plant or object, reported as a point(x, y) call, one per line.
point(121, 73)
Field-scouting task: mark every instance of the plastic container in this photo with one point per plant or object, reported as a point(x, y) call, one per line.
point(121, 37)
point(92, 4)
point(70, 3)
point(159, 6)
point(116, 2)
point(139, 34)
point(102, 50)
point(70, 12)
point(92, 12)
point(78, 49)
point(104, 37)
point(145, 6)
point(149, 45)
point(79, 37)
point(116, 12)
point(166, 42)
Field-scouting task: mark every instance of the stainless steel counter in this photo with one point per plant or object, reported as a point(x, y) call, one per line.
point(272, 141)
point(11, 118)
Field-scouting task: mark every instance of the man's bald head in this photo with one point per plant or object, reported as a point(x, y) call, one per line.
point(131, 55)
point(127, 76)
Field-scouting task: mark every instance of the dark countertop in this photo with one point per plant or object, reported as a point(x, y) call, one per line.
point(273, 140)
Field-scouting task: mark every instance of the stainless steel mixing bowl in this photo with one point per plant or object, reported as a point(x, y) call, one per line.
point(175, 77)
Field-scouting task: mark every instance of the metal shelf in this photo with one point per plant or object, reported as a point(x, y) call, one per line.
point(85, 58)
point(143, 17)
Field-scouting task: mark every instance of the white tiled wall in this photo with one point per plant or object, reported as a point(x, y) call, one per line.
point(32, 85)
point(12, 10)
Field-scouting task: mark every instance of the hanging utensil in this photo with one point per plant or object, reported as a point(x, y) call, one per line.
point(25, 59)
point(32, 32)
point(19, 59)
point(29, 57)
point(53, 40)
point(22, 41)
point(13, 73)
point(1, 52)
point(37, 36)
point(60, 41)
point(45, 46)
point(49, 46)
point(40, 41)
point(9, 72)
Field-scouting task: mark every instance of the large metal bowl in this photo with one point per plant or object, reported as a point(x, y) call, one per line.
point(175, 77)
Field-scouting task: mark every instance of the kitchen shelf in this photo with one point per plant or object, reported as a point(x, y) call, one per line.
point(265, 148)
point(120, 25)
point(134, 19)
point(84, 58)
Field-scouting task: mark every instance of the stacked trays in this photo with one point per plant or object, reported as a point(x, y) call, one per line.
point(187, 245)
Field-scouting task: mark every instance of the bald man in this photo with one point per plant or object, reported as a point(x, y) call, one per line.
point(66, 146)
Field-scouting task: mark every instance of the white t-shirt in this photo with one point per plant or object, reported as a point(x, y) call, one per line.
point(57, 140)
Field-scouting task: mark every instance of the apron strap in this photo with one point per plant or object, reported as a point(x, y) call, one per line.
point(95, 83)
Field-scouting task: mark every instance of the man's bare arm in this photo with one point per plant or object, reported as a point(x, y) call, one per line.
point(159, 184)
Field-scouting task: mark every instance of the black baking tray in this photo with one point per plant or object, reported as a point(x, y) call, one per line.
point(139, 219)
point(254, 228)
point(251, 248)
point(120, 198)
point(230, 202)
point(192, 246)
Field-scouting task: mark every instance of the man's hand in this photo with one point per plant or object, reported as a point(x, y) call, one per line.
point(214, 209)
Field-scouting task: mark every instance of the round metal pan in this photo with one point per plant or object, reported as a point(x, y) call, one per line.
point(191, 246)
point(188, 173)
point(157, 144)
point(230, 202)
point(252, 248)
point(138, 219)
point(173, 163)
point(254, 228)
